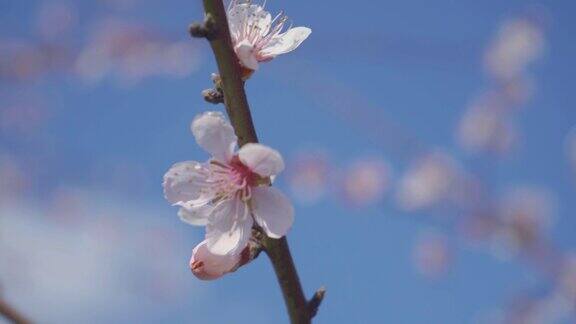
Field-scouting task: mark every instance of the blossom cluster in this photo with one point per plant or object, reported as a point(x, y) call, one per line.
point(230, 194)
point(514, 222)
point(488, 125)
point(111, 48)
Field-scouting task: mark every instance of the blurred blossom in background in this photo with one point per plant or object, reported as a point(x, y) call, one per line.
point(432, 254)
point(431, 157)
point(308, 176)
point(430, 180)
point(518, 43)
point(365, 181)
point(131, 52)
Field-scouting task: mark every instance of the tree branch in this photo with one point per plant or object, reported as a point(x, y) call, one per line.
point(11, 314)
point(230, 73)
point(239, 113)
point(287, 276)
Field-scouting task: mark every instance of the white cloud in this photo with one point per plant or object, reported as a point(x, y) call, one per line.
point(88, 257)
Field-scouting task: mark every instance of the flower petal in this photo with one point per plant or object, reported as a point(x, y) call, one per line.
point(209, 266)
point(197, 216)
point(285, 42)
point(245, 18)
point(272, 211)
point(260, 21)
point(184, 181)
point(229, 227)
point(238, 16)
point(261, 159)
point(245, 52)
point(214, 134)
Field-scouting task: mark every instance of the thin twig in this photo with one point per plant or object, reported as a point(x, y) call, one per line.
point(315, 302)
point(239, 113)
point(11, 314)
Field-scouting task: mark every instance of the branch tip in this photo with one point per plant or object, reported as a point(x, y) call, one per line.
point(315, 301)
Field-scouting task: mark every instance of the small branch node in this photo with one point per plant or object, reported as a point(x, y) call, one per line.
point(210, 26)
point(255, 243)
point(216, 78)
point(197, 30)
point(251, 252)
point(213, 96)
point(207, 29)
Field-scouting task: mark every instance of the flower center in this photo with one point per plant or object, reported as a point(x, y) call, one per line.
point(233, 179)
point(243, 174)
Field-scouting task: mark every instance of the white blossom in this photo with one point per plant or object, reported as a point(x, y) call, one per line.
point(257, 37)
point(230, 191)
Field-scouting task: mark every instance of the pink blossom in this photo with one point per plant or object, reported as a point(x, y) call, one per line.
point(308, 176)
point(430, 180)
point(366, 181)
point(485, 126)
point(432, 254)
point(526, 212)
point(130, 52)
point(259, 38)
point(229, 192)
point(519, 42)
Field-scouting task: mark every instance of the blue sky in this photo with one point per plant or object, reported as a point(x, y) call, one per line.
point(410, 66)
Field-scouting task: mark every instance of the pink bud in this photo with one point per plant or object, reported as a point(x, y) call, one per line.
point(208, 266)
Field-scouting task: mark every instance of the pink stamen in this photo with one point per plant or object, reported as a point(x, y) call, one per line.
point(243, 175)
